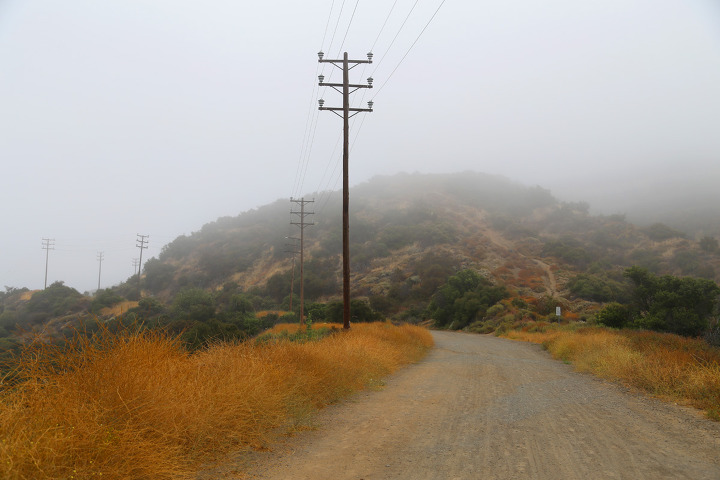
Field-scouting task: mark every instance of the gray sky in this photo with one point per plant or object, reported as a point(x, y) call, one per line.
point(120, 117)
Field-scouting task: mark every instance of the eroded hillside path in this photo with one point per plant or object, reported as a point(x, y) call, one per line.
point(480, 407)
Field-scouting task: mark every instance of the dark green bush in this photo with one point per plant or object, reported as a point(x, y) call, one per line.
point(613, 315)
point(464, 298)
point(598, 288)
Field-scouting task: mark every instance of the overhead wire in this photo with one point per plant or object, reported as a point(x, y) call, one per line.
point(377, 92)
point(305, 164)
point(325, 197)
point(383, 25)
point(331, 186)
point(342, 7)
point(320, 188)
point(348, 28)
point(395, 37)
point(408, 50)
point(311, 113)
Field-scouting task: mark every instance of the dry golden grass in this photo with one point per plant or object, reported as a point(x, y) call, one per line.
point(682, 369)
point(119, 308)
point(265, 313)
point(28, 295)
point(295, 327)
point(137, 405)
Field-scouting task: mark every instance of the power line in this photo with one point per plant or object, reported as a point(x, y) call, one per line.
point(383, 25)
point(327, 24)
point(395, 37)
point(332, 39)
point(312, 115)
point(398, 65)
point(408, 50)
point(348, 28)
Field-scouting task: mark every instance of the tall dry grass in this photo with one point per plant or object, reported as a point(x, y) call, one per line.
point(682, 369)
point(137, 405)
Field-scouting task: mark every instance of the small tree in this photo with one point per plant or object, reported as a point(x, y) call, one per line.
point(613, 315)
point(193, 304)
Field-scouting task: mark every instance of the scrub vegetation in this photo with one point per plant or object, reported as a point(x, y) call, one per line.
point(137, 404)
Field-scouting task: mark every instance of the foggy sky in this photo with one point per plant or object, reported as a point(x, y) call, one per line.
point(120, 117)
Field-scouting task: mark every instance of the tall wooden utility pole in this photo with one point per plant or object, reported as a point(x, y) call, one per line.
point(47, 245)
point(344, 65)
point(302, 224)
point(100, 257)
point(142, 243)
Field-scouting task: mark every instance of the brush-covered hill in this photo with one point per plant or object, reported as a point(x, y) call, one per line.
point(408, 231)
point(409, 234)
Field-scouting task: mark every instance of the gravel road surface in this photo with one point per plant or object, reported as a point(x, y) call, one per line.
point(481, 407)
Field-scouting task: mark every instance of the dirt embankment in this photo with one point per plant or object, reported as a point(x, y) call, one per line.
point(480, 407)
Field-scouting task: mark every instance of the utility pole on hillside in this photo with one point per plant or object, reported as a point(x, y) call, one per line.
point(294, 250)
point(141, 242)
point(135, 263)
point(344, 65)
point(100, 256)
point(302, 224)
point(47, 245)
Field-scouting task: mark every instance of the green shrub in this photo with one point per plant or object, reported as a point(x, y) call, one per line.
point(613, 315)
point(672, 304)
point(464, 298)
point(598, 288)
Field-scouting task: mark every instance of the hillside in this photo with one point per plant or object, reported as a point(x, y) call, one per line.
point(519, 236)
point(409, 233)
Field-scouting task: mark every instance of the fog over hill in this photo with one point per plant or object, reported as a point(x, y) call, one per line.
point(684, 197)
point(125, 117)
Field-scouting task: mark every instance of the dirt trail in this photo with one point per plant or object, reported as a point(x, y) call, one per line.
point(549, 280)
point(480, 407)
point(549, 277)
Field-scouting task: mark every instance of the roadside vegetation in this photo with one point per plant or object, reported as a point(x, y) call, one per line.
point(137, 403)
point(684, 370)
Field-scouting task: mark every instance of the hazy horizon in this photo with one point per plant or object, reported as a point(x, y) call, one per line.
point(136, 117)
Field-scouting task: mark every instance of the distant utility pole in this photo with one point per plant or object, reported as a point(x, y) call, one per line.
point(100, 256)
point(302, 224)
point(294, 250)
point(344, 65)
point(135, 263)
point(141, 242)
point(47, 245)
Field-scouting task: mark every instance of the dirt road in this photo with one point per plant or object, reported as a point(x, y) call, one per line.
point(480, 407)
